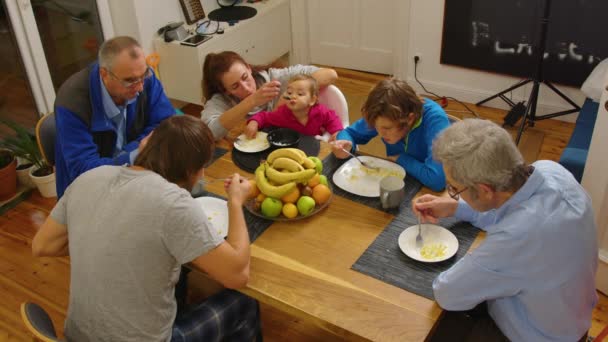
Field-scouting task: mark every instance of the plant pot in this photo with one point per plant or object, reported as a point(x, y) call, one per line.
point(23, 173)
point(45, 184)
point(8, 180)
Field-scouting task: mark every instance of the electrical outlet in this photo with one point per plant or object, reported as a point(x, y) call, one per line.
point(417, 58)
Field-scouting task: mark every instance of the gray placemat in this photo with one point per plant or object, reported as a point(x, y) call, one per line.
point(218, 153)
point(385, 261)
point(255, 225)
point(331, 164)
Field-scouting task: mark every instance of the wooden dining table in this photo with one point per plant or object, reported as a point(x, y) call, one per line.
point(303, 268)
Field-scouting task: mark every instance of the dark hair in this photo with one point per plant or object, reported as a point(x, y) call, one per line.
point(179, 147)
point(314, 86)
point(216, 64)
point(393, 99)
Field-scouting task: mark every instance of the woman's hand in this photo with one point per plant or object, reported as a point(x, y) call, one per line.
point(430, 208)
point(266, 93)
point(237, 188)
point(338, 145)
point(251, 130)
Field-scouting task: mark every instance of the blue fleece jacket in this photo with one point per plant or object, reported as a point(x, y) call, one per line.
point(417, 159)
point(85, 137)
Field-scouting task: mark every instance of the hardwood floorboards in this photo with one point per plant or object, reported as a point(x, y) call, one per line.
point(46, 280)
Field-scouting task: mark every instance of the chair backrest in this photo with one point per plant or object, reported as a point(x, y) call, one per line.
point(332, 98)
point(38, 322)
point(45, 135)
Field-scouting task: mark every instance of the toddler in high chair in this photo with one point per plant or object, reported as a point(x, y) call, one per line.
point(299, 111)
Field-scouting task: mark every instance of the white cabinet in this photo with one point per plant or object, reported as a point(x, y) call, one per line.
point(260, 40)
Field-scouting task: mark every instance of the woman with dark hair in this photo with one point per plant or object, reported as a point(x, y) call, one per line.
point(128, 230)
point(233, 89)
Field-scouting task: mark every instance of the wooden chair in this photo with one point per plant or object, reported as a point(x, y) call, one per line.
point(45, 135)
point(38, 322)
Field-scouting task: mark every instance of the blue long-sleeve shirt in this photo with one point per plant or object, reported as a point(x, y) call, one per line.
point(536, 267)
point(416, 155)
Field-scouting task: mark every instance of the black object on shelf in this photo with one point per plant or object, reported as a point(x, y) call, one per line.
point(537, 79)
point(230, 12)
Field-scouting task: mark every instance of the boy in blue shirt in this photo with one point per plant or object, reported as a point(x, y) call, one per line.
point(407, 125)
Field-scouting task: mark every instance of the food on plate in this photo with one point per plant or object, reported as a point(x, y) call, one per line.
point(286, 182)
point(433, 251)
point(259, 141)
point(380, 172)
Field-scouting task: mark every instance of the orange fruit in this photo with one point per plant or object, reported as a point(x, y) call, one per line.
point(260, 198)
point(254, 191)
point(321, 193)
point(290, 210)
point(314, 181)
point(292, 196)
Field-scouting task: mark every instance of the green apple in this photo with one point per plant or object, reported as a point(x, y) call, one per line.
point(306, 205)
point(323, 180)
point(318, 164)
point(271, 207)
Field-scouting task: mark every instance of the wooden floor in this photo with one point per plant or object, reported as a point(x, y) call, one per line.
point(46, 280)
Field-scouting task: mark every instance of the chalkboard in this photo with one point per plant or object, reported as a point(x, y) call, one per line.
point(503, 36)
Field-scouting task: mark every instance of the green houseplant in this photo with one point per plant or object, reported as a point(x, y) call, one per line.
point(24, 145)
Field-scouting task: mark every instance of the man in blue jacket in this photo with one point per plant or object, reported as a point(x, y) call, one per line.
point(104, 112)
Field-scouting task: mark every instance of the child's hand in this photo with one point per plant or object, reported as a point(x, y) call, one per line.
point(338, 145)
point(237, 188)
point(252, 129)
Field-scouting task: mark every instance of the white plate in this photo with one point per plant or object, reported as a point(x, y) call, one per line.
point(431, 234)
point(359, 180)
point(217, 213)
point(257, 144)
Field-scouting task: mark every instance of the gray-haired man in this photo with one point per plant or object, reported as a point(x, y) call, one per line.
point(535, 269)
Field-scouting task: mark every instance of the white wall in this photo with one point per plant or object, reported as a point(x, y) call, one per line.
point(425, 36)
point(595, 181)
point(142, 18)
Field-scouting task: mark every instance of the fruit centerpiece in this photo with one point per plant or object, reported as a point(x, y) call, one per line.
point(289, 185)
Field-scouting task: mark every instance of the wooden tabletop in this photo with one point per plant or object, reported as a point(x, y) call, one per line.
point(304, 268)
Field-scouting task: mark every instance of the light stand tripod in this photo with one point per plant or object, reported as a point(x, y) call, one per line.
point(530, 113)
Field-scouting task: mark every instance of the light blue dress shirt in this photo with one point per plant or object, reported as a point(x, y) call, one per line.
point(536, 267)
point(118, 117)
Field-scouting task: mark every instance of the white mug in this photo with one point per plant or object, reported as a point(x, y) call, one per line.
point(392, 192)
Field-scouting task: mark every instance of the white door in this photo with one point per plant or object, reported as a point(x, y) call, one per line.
point(56, 38)
point(355, 34)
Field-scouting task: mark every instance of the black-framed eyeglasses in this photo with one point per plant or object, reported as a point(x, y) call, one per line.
point(453, 192)
point(131, 82)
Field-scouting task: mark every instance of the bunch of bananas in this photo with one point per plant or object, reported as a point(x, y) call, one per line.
point(283, 170)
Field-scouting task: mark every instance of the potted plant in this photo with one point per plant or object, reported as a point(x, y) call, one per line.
point(24, 145)
point(8, 174)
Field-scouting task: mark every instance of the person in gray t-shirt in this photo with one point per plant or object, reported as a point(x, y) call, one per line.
point(233, 89)
point(128, 230)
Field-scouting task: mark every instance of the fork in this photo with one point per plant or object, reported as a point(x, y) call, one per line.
point(360, 161)
point(419, 241)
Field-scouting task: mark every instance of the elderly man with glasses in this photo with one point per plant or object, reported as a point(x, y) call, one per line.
point(533, 277)
point(106, 111)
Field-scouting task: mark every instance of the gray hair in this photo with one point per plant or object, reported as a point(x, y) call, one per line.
point(480, 152)
point(114, 46)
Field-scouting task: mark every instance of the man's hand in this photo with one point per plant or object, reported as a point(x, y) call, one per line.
point(430, 208)
point(237, 189)
point(251, 129)
point(266, 93)
point(338, 145)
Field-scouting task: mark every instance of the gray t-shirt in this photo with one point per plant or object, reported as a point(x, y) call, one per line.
point(129, 232)
point(219, 103)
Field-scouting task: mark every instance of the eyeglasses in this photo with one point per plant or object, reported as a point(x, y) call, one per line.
point(453, 192)
point(131, 82)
